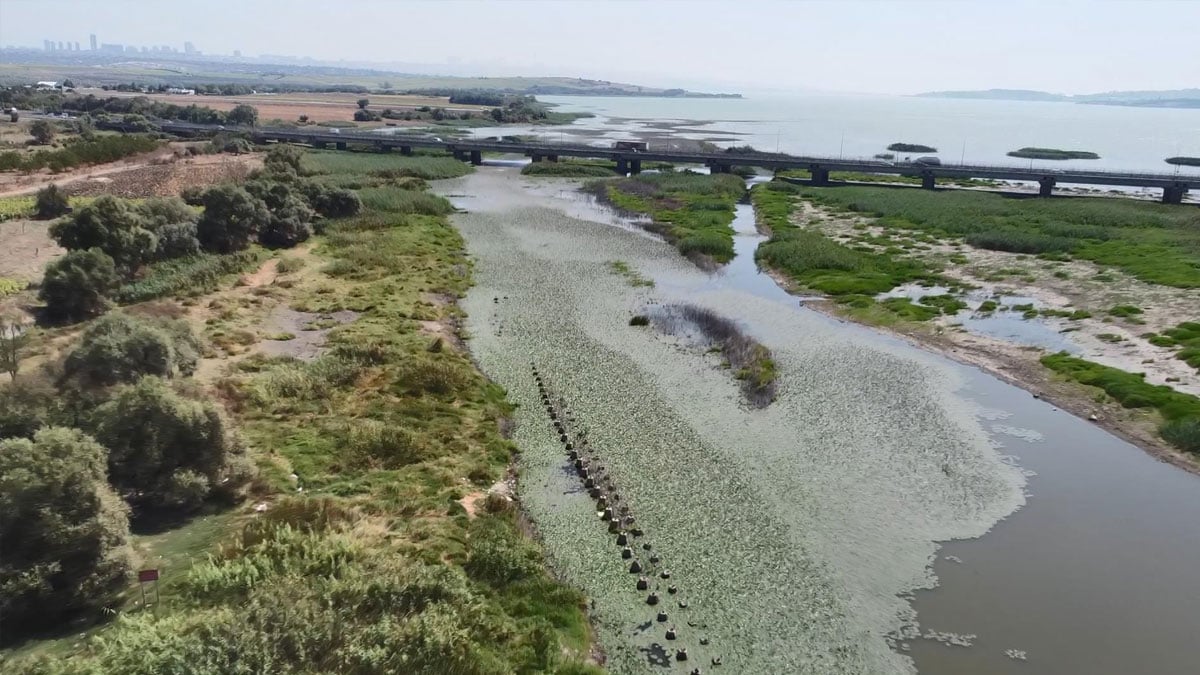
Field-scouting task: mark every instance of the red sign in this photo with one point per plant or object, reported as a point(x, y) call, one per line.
point(147, 575)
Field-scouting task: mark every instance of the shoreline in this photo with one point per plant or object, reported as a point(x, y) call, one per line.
point(1028, 375)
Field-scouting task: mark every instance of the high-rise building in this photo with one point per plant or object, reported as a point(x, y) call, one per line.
point(76, 46)
point(237, 53)
point(48, 45)
point(60, 45)
point(189, 48)
point(93, 39)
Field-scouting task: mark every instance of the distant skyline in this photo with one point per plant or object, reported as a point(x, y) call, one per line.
point(898, 47)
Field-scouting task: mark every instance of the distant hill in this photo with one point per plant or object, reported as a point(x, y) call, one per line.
point(24, 66)
point(1173, 98)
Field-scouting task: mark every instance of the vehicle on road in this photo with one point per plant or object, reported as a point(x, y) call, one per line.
point(927, 161)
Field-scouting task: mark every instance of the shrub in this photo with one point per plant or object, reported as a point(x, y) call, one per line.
point(499, 556)
point(78, 284)
point(1183, 433)
point(187, 275)
point(26, 405)
point(43, 132)
point(159, 212)
point(177, 240)
point(232, 218)
point(111, 225)
point(65, 532)
point(284, 159)
point(51, 202)
point(122, 348)
point(167, 451)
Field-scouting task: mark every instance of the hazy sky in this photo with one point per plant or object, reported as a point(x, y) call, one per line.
point(882, 46)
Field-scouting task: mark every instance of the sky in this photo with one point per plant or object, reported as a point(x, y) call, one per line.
point(897, 46)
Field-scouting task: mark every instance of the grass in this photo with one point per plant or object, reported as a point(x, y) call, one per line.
point(385, 436)
point(571, 169)
point(1156, 243)
point(193, 275)
point(401, 201)
point(79, 152)
point(11, 286)
point(350, 164)
point(1185, 338)
point(1180, 411)
point(631, 275)
point(1052, 153)
point(817, 262)
point(751, 362)
point(692, 211)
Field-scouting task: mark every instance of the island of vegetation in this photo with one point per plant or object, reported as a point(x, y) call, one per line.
point(1052, 153)
point(1183, 161)
point(910, 147)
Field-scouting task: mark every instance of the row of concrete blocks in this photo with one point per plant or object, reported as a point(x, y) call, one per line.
point(602, 489)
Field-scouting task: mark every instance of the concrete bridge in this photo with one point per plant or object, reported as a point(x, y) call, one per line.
point(1174, 187)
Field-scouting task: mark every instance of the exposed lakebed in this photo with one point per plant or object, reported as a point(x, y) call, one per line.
point(796, 533)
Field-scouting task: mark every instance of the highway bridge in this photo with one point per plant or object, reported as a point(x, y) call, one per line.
point(1174, 187)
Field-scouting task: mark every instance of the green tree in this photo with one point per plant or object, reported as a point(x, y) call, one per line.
point(121, 348)
point(363, 103)
point(79, 284)
point(111, 225)
point(243, 115)
point(232, 219)
point(290, 219)
point(51, 202)
point(13, 336)
point(43, 132)
point(158, 212)
point(65, 532)
point(167, 451)
point(284, 160)
point(28, 404)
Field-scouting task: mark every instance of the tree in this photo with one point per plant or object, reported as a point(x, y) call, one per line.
point(232, 218)
point(121, 348)
point(67, 83)
point(284, 160)
point(43, 132)
point(13, 336)
point(243, 115)
point(158, 212)
point(111, 225)
point(65, 532)
point(78, 284)
point(166, 450)
point(290, 219)
point(363, 103)
point(497, 114)
point(51, 202)
point(331, 202)
point(303, 119)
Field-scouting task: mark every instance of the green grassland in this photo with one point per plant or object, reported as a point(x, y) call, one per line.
point(692, 211)
point(1156, 243)
point(365, 560)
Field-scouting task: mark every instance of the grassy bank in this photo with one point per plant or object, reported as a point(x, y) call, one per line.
point(78, 152)
point(851, 275)
point(376, 458)
point(692, 211)
point(362, 166)
point(860, 177)
point(750, 361)
point(1157, 243)
point(1180, 412)
point(574, 168)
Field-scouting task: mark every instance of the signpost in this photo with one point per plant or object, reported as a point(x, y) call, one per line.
point(145, 577)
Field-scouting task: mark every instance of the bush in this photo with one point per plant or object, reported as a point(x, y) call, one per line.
point(284, 159)
point(111, 225)
point(159, 212)
point(43, 132)
point(120, 348)
point(1183, 433)
point(290, 216)
point(51, 202)
point(65, 532)
point(187, 275)
point(26, 405)
point(79, 284)
point(232, 219)
point(166, 451)
point(177, 240)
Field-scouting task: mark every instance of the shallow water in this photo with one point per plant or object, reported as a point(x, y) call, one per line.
point(1002, 324)
point(794, 531)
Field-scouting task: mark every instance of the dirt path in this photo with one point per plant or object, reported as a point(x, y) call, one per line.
point(157, 174)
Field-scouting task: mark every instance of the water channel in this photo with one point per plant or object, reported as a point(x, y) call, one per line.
point(803, 535)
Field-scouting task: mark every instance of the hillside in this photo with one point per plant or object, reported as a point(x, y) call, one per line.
point(1173, 98)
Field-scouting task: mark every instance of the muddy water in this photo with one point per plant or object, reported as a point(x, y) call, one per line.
point(796, 534)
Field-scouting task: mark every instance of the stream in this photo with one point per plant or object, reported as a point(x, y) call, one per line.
point(891, 512)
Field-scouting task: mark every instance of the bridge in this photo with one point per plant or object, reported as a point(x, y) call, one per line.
point(1174, 187)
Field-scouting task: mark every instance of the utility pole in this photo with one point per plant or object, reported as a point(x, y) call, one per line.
point(962, 161)
point(842, 144)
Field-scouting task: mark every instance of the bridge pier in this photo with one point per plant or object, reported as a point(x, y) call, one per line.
point(406, 150)
point(552, 158)
point(340, 145)
point(380, 147)
point(927, 181)
point(1173, 194)
point(1046, 186)
point(717, 167)
point(622, 166)
point(319, 145)
point(635, 166)
point(476, 157)
point(819, 176)
point(460, 155)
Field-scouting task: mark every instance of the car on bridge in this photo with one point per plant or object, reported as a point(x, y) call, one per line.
point(632, 146)
point(927, 161)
